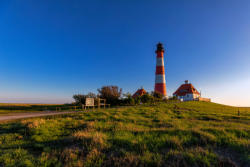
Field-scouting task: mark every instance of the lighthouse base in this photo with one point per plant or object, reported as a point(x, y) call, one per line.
point(165, 98)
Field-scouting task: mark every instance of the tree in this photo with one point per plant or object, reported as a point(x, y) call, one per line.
point(91, 95)
point(157, 95)
point(111, 94)
point(173, 98)
point(80, 98)
point(147, 98)
point(128, 99)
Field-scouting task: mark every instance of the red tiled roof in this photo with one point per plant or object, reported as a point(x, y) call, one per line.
point(186, 89)
point(139, 92)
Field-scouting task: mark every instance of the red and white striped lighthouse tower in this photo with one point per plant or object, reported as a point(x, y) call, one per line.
point(160, 81)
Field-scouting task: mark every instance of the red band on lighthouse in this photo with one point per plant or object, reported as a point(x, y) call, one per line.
point(160, 81)
point(160, 70)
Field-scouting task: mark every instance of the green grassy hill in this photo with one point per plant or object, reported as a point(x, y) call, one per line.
point(177, 134)
point(13, 108)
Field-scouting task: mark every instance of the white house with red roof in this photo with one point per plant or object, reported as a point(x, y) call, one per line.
point(139, 92)
point(187, 92)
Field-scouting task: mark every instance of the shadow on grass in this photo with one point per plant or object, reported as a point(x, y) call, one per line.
point(12, 128)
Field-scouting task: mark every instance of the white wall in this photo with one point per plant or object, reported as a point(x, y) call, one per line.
point(188, 97)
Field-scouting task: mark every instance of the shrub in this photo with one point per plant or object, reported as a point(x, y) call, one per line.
point(157, 95)
point(128, 99)
point(147, 98)
point(80, 98)
point(111, 94)
point(137, 100)
point(173, 98)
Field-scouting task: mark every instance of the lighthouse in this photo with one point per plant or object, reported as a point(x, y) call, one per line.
point(160, 81)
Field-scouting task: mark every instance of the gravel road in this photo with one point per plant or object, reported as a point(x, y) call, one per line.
point(30, 115)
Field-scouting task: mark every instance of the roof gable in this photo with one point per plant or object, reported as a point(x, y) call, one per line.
point(186, 89)
point(139, 92)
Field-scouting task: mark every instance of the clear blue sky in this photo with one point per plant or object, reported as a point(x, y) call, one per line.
point(50, 50)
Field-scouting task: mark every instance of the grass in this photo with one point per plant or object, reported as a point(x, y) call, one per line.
point(178, 134)
point(13, 108)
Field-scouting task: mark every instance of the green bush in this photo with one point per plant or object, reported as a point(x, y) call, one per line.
point(111, 93)
point(157, 95)
point(147, 98)
point(80, 98)
point(128, 100)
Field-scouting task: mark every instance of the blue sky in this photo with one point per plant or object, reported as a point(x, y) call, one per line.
point(50, 50)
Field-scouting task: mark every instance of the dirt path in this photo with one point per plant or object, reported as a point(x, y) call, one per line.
point(30, 115)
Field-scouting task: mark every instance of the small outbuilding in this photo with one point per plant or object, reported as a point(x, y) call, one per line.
point(139, 92)
point(187, 92)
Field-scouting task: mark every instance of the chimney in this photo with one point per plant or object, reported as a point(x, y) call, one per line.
point(186, 81)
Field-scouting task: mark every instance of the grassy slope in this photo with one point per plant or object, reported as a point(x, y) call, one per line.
point(182, 134)
point(12, 108)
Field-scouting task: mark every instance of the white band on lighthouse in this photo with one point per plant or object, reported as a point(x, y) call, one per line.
point(160, 79)
point(160, 61)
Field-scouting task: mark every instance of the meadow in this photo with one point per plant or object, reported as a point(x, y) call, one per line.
point(162, 134)
point(13, 108)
